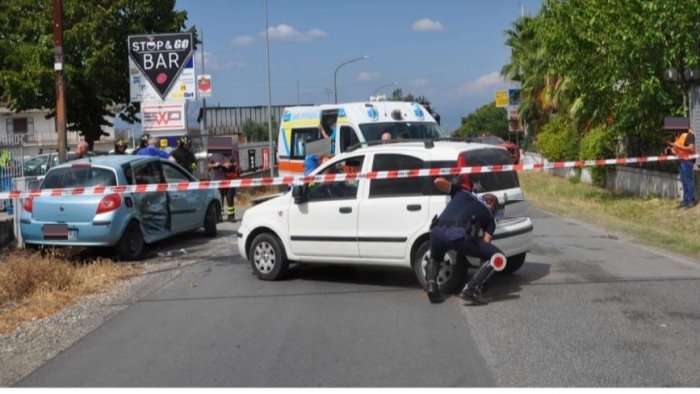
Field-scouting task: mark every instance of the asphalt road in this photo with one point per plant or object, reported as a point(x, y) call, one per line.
point(588, 309)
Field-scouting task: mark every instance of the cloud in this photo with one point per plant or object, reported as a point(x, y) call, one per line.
point(367, 76)
point(482, 84)
point(214, 62)
point(426, 24)
point(242, 41)
point(418, 83)
point(289, 33)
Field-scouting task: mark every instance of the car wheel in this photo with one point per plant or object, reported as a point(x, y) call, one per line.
point(452, 269)
point(131, 244)
point(513, 264)
point(210, 219)
point(267, 257)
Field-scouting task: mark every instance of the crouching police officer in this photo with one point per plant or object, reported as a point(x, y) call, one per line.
point(458, 229)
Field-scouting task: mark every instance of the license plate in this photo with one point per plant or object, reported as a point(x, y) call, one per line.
point(56, 231)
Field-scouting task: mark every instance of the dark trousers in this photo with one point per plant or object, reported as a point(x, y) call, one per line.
point(687, 180)
point(446, 238)
point(228, 194)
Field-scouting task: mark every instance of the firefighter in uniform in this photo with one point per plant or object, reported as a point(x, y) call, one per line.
point(143, 143)
point(120, 147)
point(458, 228)
point(184, 156)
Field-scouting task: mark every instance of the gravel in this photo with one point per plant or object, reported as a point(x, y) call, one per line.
point(35, 342)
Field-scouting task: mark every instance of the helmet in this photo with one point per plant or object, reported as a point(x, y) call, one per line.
point(184, 141)
point(144, 140)
point(120, 142)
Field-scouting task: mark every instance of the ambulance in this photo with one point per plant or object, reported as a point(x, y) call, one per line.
point(346, 125)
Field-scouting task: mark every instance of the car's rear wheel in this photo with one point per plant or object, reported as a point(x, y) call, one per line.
point(267, 257)
point(131, 245)
point(210, 219)
point(452, 269)
point(513, 264)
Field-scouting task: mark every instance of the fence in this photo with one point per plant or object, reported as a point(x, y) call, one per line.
point(11, 164)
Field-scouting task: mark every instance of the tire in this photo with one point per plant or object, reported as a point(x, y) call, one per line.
point(131, 245)
point(452, 270)
point(513, 264)
point(211, 217)
point(267, 257)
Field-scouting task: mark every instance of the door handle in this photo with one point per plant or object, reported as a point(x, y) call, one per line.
point(413, 207)
point(345, 210)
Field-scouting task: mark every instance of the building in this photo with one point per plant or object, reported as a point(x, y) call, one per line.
point(38, 132)
point(227, 121)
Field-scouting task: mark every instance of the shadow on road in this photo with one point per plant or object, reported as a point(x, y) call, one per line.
point(373, 276)
point(506, 287)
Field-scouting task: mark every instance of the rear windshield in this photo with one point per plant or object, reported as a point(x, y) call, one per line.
point(406, 130)
point(79, 177)
point(491, 181)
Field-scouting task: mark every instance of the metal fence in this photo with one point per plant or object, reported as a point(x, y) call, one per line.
point(11, 164)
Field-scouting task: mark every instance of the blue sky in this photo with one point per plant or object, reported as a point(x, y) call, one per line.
point(450, 51)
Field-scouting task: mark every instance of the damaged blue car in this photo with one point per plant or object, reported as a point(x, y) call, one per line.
point(124, 221)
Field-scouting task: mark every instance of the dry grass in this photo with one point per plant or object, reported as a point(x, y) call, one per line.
point(35, 285)
point(245, 195)
point(651, 221)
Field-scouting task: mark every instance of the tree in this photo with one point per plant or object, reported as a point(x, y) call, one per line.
point(95, 56)
point(254, 131)
point(487, 119)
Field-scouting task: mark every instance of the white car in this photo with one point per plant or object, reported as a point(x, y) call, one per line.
point(382, 221)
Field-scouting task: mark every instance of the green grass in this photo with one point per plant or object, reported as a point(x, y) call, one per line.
point(650, 221)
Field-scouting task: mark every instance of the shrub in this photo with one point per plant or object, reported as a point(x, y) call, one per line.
point(558, 140)
point(598, 143)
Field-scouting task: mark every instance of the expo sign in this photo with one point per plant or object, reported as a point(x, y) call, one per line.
point(161, 57)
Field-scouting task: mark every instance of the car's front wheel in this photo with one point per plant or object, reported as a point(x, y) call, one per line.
point(211, 217)
point(452, 269)
point(131, 245)
point(267, 257)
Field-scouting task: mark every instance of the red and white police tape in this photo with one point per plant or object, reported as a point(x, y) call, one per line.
point(299, 179)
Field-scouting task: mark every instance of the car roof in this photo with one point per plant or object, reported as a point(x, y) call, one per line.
point(438, 148)
point(113, 161)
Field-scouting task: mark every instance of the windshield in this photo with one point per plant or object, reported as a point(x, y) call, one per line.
point(493, 140)
point(83, 176)
point(490, 181)
point(35, 165)
point(398, 130)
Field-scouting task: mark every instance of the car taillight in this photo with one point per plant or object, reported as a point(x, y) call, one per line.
point(467, 182)
point(28, 204)
point(109, 203)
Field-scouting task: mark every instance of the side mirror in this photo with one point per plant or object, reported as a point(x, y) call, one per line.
point(299, 194)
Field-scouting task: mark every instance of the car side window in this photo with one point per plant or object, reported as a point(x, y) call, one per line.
point(147, 174)
point(174, 175)
point(396, 187)
point(341, 190)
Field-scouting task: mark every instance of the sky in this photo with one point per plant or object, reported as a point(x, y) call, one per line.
point(450, 51)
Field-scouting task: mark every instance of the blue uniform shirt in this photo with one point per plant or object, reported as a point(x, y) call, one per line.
point(152, 151)
point(464, 206)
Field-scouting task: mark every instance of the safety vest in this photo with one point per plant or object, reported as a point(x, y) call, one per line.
point(680, 141)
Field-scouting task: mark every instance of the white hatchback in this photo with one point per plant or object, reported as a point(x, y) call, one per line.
point(382, 221)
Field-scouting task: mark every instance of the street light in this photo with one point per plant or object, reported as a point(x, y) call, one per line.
point(335, 74)
point(382, 87)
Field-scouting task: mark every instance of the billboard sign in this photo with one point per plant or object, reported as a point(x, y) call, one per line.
point(501, 99)
point(161, 57)
point(142, 91)
point(164, 116)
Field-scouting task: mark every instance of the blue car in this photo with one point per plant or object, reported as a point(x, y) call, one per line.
point(127, 221)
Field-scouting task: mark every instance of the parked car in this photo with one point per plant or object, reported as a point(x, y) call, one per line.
point(40, 164)
point(498, 141)
point(381, 221)
point(125, 221)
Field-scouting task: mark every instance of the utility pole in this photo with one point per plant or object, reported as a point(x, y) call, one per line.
point(58, 74)
point(269, 97)
point(204, 133)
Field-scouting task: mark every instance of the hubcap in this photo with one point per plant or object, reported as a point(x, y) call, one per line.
point(264, 257)
point(445, 266)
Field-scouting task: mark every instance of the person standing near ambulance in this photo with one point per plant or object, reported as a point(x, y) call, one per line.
point(458, 228)
point(684, 147)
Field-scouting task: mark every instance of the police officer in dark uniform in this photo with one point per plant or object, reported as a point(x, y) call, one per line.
point(184, 156)
point(143, 143)
point(459, 228)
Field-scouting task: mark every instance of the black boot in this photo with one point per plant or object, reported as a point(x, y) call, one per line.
point(431, 274)
point(473, 289)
